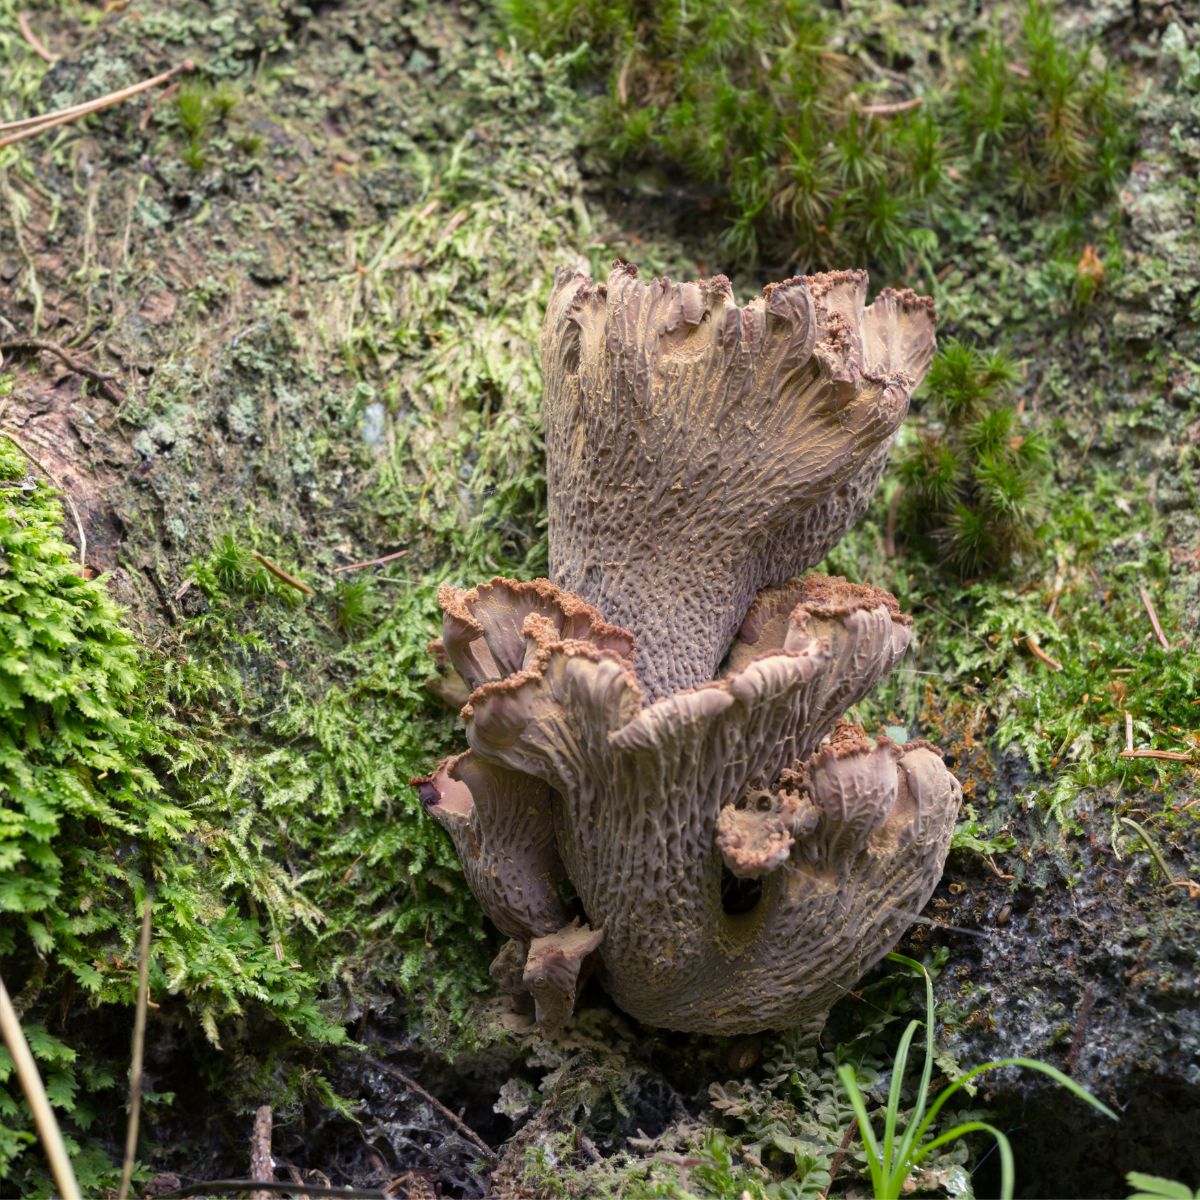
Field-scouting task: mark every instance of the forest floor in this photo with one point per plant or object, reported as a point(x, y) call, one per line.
point(316, 281)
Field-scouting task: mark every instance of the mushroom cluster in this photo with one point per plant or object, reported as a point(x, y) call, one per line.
point(659, 787)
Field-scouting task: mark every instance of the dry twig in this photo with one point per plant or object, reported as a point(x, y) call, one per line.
point(371, 562)
point(28, 127)
point(836, 1165)
point(280, 573)
point(1149, 606)
point(262, 1165)
point(1041, 655)
point(889, 537)
point(35, 1095)
point(1059, 581)
point(887, 110)
point(999, 874)
point(1081, 1023)
point(158, 97)
point(32, 38)
point(438, 1106)
point(1166, 755)
point(1193, 888)
point(139, 1046)
point(278, 1188)
point(106, 381)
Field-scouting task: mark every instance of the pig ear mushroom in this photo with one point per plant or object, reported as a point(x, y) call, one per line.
point(660, 724)
point(698, 451)
point(653, 804)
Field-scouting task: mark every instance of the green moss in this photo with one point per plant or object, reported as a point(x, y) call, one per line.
point(974, 476)
point(200, 109)
point(1043, 120)
point(71, 776)
point(1083, 608)
point(305, 720)
point(264, 805)
point(768, 112)
point(82, 820)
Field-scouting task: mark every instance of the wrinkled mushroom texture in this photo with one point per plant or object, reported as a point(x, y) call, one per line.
point(698, 451)
point(652, 806)
point(501, 824)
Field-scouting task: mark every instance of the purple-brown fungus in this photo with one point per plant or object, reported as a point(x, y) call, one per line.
point(660, 787)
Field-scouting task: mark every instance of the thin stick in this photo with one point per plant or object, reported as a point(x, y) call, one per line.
point(165, 94)
point(1081, 1024)
point(86, 106)
point(1158, 633)
point(280, 573)
point(37, 462)
point(1041, 655)
point(106, 381)
point(35, 1095)
point(999, 874)
point(29, 127)
point(453, 1118)
point(1059, 581)
point(1129, 732)
point(371, 562)
point(887, 110)
point(836, 1165)
point(32, 38)
point(139, 1046)
point(262, 1165)
point(1192, 887)
point(278, 1188)
point(1166, 755)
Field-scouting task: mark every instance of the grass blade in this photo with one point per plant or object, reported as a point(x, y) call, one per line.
point(910, 1135)
point(870, 1143)
point(892, 1112)
point(1007, 1171)
point(1052, 1072)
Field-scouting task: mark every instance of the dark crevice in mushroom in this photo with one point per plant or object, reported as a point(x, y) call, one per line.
point(739, 896)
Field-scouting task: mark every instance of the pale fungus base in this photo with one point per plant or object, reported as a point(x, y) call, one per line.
point(737, 857)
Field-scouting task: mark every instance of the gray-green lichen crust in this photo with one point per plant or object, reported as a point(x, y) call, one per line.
point(698, 455)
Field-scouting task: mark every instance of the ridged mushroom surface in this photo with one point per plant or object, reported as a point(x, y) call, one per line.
point(698, 451)
point(660, 788)
point(652, 806)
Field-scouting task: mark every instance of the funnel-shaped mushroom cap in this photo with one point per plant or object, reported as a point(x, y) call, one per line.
point(652, 805)
point(698, 451)
point(501, 825)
